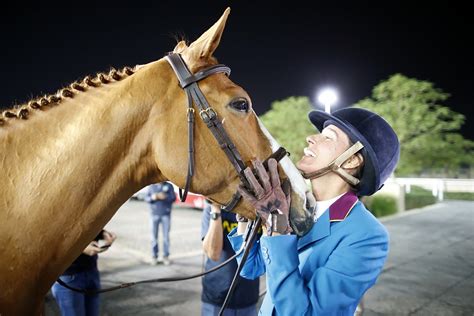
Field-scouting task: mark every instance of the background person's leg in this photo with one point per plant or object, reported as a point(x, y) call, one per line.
point(154, 238)
point(166, 222)
point(209, 309)
point(70, 303)
point(247, 311)
point(92, 301)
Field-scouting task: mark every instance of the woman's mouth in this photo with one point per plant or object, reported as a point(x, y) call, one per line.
point(309, 153)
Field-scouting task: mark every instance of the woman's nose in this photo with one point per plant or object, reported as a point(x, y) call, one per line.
point(311, 139)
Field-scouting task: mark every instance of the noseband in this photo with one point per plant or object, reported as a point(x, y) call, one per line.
point(189, 83)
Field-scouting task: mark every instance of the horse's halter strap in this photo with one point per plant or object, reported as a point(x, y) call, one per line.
point(189, 83)
point(335, 166)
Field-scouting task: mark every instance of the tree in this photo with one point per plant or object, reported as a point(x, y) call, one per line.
point(288, 122)
point(427, 130)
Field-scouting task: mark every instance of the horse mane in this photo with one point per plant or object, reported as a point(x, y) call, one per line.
point(22, 112)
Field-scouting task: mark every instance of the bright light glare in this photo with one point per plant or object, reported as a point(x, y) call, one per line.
point(327, 97)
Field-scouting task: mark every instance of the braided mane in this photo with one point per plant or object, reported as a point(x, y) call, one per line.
point(42, 103)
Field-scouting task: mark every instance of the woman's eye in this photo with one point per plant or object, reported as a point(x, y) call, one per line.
point(240, 104)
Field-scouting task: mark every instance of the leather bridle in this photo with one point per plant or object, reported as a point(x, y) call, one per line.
point(189, 83)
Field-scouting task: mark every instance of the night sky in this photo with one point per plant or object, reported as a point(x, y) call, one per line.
point(275, 51)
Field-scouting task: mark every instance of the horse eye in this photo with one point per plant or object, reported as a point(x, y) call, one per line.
point(240, 104)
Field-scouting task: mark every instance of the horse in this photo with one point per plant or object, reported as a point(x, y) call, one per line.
point(71, 159)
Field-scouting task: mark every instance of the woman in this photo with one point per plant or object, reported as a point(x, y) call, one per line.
point(326, 271)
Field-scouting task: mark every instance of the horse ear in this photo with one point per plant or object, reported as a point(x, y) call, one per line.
point(180, 47)
point(207, 43)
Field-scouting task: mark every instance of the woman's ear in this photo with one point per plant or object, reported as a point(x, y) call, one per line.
point(355, 161)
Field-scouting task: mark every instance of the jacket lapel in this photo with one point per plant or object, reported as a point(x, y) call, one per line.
point(340, 209)
point(337, 212)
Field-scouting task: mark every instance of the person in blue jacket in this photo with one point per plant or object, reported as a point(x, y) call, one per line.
point(160, 197)
point(327, 270)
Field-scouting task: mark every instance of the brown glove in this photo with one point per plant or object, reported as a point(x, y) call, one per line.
point(269, 199)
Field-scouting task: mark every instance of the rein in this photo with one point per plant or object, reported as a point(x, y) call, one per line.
point(249, 238)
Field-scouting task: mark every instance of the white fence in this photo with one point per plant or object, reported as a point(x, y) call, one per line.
point(399, 186)
point(437, 185)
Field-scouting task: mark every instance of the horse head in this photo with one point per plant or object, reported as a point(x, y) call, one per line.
point(214, 174)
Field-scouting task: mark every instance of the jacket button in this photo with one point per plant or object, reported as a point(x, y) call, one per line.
point(265, 255)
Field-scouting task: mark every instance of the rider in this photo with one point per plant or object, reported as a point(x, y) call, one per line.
point(327, 270)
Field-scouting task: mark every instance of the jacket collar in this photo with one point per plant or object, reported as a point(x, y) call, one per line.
point(338, 212)
point(340, 209)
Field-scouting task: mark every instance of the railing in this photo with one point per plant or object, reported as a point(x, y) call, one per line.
point(437, 185)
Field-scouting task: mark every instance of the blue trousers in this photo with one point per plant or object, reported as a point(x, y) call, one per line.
point(77, 304)
point(213, 310)
point(165, 221)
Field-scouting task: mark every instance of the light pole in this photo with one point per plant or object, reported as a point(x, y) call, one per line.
point(327, 97)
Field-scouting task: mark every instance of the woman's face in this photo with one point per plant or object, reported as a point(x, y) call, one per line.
point(323, 149)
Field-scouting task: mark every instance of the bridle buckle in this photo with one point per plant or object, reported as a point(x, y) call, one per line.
point(208, 114)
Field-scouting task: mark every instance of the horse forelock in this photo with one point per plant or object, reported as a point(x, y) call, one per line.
point(23, 111)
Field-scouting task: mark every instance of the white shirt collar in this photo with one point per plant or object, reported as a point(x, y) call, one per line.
point(322, 206)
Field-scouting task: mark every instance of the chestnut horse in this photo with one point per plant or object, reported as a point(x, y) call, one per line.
point(70, 160)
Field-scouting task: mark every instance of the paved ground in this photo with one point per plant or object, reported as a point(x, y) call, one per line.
point(430, 269)
point(128, 260)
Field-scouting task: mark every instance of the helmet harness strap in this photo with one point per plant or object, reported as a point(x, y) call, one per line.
point(335, 166)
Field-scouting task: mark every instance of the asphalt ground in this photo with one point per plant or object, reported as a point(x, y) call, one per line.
point(430, 267)
point(429, 271)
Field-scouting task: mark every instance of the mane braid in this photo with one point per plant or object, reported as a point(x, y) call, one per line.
point(23, 112)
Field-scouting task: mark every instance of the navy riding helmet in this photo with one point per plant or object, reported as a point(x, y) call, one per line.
point(381, 147)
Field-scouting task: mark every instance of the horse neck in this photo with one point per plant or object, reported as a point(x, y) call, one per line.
point(85, 149)
point(73, 165)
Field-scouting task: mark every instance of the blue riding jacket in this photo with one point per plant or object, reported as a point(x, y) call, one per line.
point(326, 271)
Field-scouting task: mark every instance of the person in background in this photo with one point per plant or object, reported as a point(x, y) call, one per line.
point(160, 197)
point(82, 274)
point(216, 225)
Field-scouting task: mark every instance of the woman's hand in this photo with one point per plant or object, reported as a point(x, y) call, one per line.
point(268, 198)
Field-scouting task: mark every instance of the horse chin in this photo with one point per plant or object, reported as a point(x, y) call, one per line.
point(301, 215)
point(301, 218)
point(302, 199)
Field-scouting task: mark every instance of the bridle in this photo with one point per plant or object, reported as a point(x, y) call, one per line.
point(189, 83)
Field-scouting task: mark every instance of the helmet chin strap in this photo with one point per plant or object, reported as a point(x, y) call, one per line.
point(335, 166)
